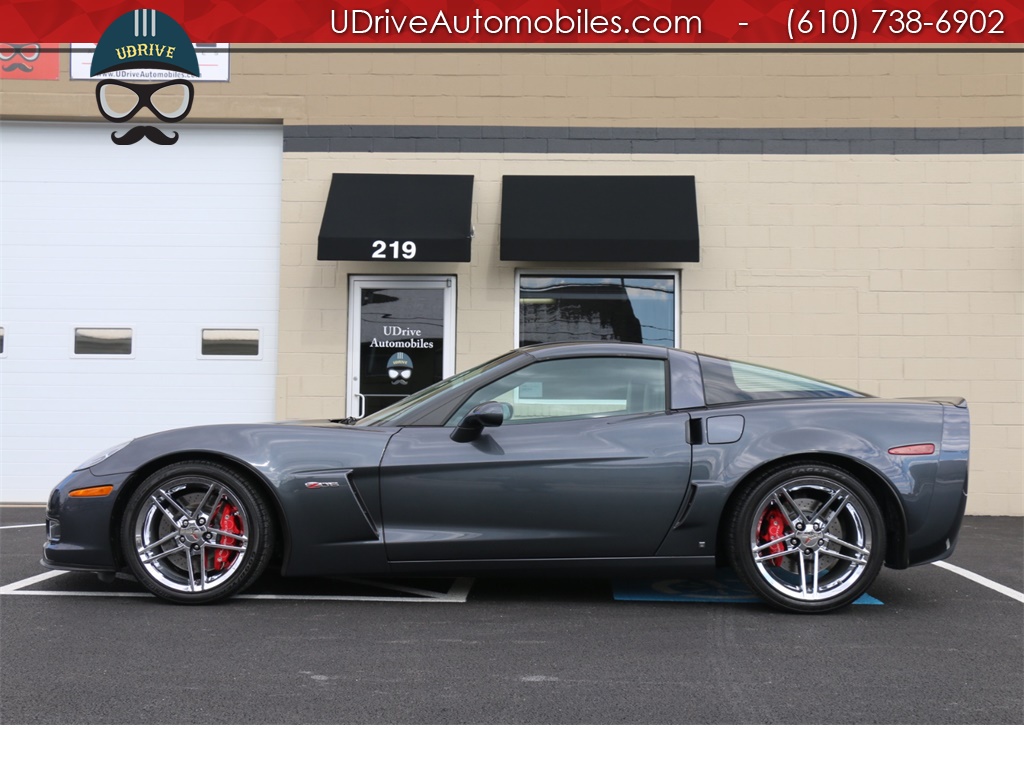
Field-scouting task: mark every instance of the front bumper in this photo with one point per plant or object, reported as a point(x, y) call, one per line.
point(80, 532)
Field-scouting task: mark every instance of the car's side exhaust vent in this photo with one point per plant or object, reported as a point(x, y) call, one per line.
point(684, 508)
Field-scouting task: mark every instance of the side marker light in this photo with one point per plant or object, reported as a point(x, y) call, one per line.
point(920, 449)
point(92, 492)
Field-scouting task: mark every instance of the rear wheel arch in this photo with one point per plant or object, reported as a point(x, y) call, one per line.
point(806, 536)
point(140, 475)
point(883, 493)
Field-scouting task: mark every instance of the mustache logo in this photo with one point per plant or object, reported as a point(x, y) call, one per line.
point(17, 65)
point(140, 132)
point(112, 99)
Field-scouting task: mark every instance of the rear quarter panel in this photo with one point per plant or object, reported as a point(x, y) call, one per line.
point(855, 433)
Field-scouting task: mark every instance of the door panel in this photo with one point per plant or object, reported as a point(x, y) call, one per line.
point(607, 487)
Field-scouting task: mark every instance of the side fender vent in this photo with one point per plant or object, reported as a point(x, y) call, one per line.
point(686, 506)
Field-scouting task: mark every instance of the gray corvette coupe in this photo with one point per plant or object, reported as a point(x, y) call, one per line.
point(558, 458)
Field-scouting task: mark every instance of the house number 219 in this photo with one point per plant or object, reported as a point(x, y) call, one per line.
point(404, 248)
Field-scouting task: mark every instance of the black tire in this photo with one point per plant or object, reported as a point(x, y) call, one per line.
point(807, 537)
point(197, 531)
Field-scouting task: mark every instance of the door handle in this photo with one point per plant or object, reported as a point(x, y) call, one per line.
point(361, 406)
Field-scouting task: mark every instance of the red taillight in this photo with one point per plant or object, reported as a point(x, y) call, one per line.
point(920, 449)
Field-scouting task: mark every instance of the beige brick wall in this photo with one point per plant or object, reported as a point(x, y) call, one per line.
point(676, 89)
point(899, 276)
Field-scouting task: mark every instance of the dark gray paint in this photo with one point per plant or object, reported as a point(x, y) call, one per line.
point(567, 489)
point(856, 433)
point(724, 429)
point(602, 492)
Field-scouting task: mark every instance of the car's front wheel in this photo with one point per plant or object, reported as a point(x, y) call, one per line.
point(196, 531)
point(807, 537)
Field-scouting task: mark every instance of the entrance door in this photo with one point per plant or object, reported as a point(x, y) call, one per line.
point(401, 338)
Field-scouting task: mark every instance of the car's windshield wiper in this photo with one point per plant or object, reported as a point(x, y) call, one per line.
point(349, 420)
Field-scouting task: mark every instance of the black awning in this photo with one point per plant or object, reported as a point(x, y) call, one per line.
point(396, 218)
point(599, 218)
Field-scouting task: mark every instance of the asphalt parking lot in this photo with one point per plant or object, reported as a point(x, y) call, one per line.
point(933, 645)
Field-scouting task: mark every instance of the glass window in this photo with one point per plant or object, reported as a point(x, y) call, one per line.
point(634, 308)
point(726, 381)
point(576, 388)
point(402, 337)
point(394, 412)
point(103, 341)
point(231, 342)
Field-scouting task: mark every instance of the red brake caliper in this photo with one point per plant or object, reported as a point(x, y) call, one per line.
point(229, 523)
point(773, 526)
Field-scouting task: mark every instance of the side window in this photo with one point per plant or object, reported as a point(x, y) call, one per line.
point(728, 381)
point(576, 388)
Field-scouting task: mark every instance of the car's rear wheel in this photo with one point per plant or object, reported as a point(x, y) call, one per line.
point(807, 537)
point(196, 531)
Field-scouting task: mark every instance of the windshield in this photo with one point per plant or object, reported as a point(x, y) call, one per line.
point(393, 412)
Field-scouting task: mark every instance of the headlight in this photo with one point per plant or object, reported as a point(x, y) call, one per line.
point(101, 456)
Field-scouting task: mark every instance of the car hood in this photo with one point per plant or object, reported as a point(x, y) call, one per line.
point(270, 448)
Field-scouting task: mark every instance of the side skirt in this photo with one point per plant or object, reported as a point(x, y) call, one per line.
point(596, 565)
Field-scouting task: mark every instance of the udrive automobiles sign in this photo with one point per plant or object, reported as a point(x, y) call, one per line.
point(544, 22)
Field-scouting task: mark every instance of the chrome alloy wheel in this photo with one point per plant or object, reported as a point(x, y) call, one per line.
point(192, 534)
point(811, 539)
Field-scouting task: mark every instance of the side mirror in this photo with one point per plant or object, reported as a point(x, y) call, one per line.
point(490, 414)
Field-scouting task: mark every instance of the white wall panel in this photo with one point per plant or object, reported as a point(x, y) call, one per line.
point(165, 240)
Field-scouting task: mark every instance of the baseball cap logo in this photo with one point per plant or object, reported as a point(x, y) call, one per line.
point(144, 38)
point(136, 40)
point(399, 368)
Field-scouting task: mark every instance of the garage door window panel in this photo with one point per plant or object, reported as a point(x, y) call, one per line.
point(230, 342)
point(103, 342)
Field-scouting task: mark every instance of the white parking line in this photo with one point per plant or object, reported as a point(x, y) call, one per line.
point(458, 593)
point(993, 585)
point(27, 525)
point(9, 588)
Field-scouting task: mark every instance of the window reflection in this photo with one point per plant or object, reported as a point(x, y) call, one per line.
point(597, 308)
point(575, 389)
point(218, 341)
point(103, 341)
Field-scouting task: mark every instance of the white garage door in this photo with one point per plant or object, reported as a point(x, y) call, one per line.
point(138, 289)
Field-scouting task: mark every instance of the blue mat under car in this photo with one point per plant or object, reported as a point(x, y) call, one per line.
point(722, 587)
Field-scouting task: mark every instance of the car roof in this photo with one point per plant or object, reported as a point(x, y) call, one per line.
point(561, 349)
